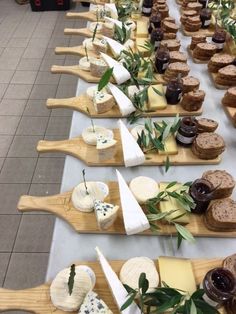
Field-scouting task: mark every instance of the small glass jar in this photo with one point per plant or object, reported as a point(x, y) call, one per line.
point(154, 22)
point(147, 7)
point(219, 285)
point(157, 36)
point(186, 132)
point(218, 39)
point(162, 59)
point(201, 191)
point(205, 16)
point(174, 91)
point(203, 3)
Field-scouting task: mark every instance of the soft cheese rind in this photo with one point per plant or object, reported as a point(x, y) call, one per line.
point(124, 103)
point(143, 188)
point(90, 137)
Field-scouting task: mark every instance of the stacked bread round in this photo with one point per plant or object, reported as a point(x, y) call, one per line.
point(230, 264)
point(186, 14)
point(196, 6)
point(206, 125)
point(219, 60)
point(226, 76)
point(222, 182)
point(192, 101)
point(221, 215)
point(170, 27)
point(230, 305)
point(167, 36)
point(172, 44)
point(208, 145)
point(174, 69)
point(197, 39)
point(204, 51)
point(164, 11)
point(186, 2)
point(229, 98)
point(177, 56)
point(192, 24)
point(190, 83)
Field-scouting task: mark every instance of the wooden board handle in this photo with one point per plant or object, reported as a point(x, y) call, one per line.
point(64, 50)
point(72, 31)
point(27, 299)
point(53, 103)
point(76, 15)
point(51, 146)
point(64, 69)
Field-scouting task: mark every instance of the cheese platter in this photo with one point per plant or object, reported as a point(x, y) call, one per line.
point(113, 210)
point(39, 300)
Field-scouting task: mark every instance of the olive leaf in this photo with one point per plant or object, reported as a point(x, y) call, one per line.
point(71, 279)
point(94, 32)
point(85, 184)
point(105, 79)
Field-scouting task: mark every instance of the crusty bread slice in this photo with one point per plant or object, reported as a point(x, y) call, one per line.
point(230, 264)
point(221, 215)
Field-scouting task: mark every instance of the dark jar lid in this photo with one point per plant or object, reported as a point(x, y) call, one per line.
point(189, 124)
point(202, 190)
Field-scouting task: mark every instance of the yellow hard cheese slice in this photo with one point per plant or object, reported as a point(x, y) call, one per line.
point(170, 146)
point(156, 101)
point(173, 204)
point(140, 42)
point(142, 29)
point(177, 273)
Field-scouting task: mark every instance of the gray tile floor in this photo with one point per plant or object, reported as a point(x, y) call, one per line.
point(27, 42)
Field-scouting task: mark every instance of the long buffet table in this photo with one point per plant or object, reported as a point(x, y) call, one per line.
point(68, 246)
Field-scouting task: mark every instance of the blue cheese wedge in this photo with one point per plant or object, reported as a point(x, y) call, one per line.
point(120, 73)
point(106, 214)
point(94, 305)
point(132, 153)
point(93, 89)
point(91, 133)
point(135, 221)
point(103, 102)
point(106, 148)
point(118, 291)
point(98, 67)
point(100, 45)
point(124, 103)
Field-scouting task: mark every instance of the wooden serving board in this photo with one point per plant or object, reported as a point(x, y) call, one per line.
point(82, 102)
point(208, 32)
point(79, 149)
point(76, 50)
point(88, 77)
point(91, 1)
point(231, 112)
point(62, 206)
point(218, 86)
point(37, 300)
point(90, 16)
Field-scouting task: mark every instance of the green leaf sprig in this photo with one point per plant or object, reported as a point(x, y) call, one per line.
point(105, 79)
point(122, 34)
point(71, 279)
point(85, 185)
point(179, 193)
point(165, 298)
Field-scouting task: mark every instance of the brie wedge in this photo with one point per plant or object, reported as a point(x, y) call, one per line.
point(120, 73)
point(90, 137)
point(132, 269)
point(106, 214)
point(113, 10)
point(84, 64)
point(83, 199)
point(94, 305)
point(124, 103)
point(103, 102)
point(115, 47)
point(132, 153)
point(118, 291)
point(143, 188)
point(59, 292)
point(135, 220)
point(114, 22)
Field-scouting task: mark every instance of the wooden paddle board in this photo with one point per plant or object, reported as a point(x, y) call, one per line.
point(194, 59)
point(89, 15)
point(62, 206)
point(208, 32)
point(37, 300)
point(82, 102)
point(76, 50)
point(79, 149)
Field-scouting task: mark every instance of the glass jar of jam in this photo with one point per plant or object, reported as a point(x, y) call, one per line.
point(205, 16)
point(174, 91)
point(186, 132)
point(203, 3)
point(219, 285)
point(156, 37)
point(147, 7)
point(218, 39)
point(154, 22)
point(162, 59)
point(201, 191)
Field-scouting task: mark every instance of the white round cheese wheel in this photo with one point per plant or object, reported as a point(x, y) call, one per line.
point(96, 7)
point(90, 137)
point(89, 271)
point(93, 25)
point(93, 89)
point(131, 24)
point(59, 290)
point(129, 44)
point(84, 64)
point(143, 188)
point(84, 201)
point(132, 269)
point(88, 43)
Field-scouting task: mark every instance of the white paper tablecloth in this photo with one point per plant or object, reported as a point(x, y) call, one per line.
point(68, 246)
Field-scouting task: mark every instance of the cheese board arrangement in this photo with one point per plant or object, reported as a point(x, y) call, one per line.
point(112, 287)
point(229, 104)
point(146, 207)
point(181, 142)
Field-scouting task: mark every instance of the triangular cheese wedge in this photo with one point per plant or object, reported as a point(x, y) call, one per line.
point(112, 8)
point(94, 305)
point(118, 291)
point(132, 153)
point(106, 214)
point(116, 22)
point(115, 46)
point(124, 103)
point(135, 220)
point(120, 73)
